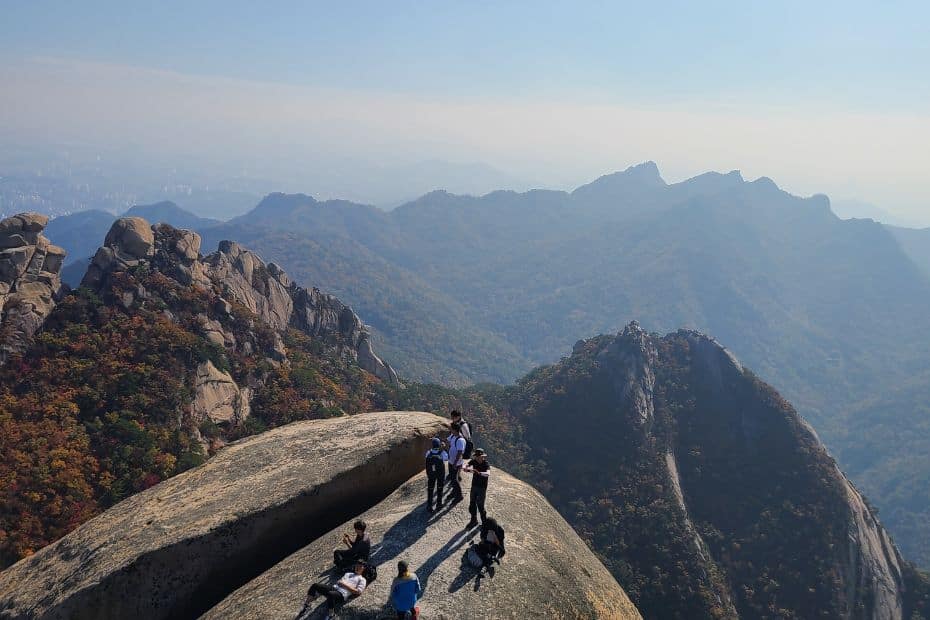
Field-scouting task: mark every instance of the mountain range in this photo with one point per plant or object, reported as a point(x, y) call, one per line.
point(462, 289)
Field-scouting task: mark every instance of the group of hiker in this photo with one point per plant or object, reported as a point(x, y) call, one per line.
point(446, 460)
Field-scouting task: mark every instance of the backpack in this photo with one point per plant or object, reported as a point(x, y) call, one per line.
point(435, 467)
point(371, 572)
point(472, 557)
point(469, 443)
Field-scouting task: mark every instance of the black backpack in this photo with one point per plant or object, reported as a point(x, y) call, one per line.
point(469, 443)
point(435, 467)
point(371, 572)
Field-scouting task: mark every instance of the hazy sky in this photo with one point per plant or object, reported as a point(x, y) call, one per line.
point(829, 97)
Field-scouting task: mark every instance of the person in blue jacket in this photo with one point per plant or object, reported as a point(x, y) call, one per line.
point(405, 591)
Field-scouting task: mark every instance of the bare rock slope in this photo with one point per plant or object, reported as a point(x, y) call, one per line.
point(547, 572)
point(30, 280)
point(178, 548)
point(238, 275)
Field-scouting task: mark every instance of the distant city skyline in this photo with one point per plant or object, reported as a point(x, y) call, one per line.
point(830, 98)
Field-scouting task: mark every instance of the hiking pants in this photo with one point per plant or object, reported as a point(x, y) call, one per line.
point(476, 501)
point(455, 483)
point(333, 596)
point(434, 485)
point(454, 473)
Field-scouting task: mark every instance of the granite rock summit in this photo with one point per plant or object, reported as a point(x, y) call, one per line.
point(30, 280)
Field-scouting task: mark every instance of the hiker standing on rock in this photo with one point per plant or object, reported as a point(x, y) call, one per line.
point(436, 459)
point(456, 416)
point(405, 592)
point(456, 459)
point(480, 473)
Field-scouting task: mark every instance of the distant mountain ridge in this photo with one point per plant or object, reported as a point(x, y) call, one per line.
point(830, 311)
point(664, 451)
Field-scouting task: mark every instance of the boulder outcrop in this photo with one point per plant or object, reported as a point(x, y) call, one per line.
point(238, 275)
point(30, 280)
point(547, 572)
point(178, 548)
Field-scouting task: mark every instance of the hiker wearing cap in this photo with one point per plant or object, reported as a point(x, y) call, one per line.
point(456, 460)
point(436, 459)
point(480, 473)
point(405, 591)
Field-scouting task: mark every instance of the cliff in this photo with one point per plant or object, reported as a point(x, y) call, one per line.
point(667, 451)
point(239, 275)
point(547, 571)
point(257, 512)
point(30, 280)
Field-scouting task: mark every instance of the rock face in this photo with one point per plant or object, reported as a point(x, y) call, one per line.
point(30, 280)
point(217, 397)
point(758, 497)
point(177, 549)
point(547, 571)
point(238, 275)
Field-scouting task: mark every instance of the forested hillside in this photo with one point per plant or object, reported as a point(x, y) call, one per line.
point(832, 312)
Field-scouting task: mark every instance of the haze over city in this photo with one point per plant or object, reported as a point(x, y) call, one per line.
point(375, 103)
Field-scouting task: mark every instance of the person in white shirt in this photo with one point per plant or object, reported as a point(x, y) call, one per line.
point(456, 460)
point(352, 584)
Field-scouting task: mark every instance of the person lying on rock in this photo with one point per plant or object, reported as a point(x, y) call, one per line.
point(480, 472)
point(359, 548)
point(352, 584)
point(491, 543)
point(436, 459)
point(405, 592)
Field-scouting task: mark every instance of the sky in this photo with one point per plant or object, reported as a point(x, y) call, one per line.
point(825, 97)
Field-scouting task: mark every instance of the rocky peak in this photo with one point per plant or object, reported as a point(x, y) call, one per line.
point(238, 275)
point(30, 280)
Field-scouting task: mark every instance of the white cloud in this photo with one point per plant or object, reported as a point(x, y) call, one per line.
point(278, 127)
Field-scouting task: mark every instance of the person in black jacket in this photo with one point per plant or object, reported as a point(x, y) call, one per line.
point(436, 459)
point(480, 473)
point(358, 548)
point(491, 544)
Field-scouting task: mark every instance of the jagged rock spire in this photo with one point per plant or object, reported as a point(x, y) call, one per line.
point(30, 280)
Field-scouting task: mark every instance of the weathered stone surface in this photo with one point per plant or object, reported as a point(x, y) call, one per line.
point(29, 280)
point(240, 276)
point(246, 279)
point(217, 397)
point(177, 549)
point(547, 572)
point(132, 236)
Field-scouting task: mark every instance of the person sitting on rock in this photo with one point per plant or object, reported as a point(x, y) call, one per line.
point(405, 592)
point(456, 458)
point(480, 472)
point(352, 584)
point(358, 549)
point(436, 459)
point(491, 544)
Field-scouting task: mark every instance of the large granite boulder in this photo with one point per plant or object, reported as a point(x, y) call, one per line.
point(547, 572)
point(178, 548)
point(30, 280)
point(240, 276)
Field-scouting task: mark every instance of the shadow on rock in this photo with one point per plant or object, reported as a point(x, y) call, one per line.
point(455, 543)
